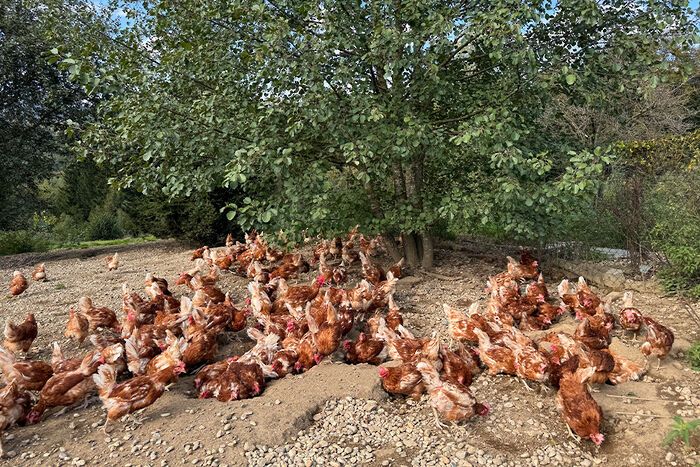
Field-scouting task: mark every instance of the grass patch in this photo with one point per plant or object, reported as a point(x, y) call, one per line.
point(118, 241)
point(22, 243)
point(59, 286)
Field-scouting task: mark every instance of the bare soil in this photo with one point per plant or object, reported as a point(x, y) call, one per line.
point(336, 413)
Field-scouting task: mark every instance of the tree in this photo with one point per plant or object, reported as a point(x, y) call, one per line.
point(390, 113)
point(35, 101)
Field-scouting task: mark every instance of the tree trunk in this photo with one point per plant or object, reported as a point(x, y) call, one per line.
point(410, 250)
point(394, 251)
point(428, 250)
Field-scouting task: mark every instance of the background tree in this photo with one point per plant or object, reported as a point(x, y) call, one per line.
point(392, 114)
point(36, 100)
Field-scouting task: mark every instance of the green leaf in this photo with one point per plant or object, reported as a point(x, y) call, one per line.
point(570, 79)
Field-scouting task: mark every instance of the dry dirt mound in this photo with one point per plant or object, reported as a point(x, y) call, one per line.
point(338, 414)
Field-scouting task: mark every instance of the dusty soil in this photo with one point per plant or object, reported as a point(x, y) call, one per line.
point(337, 414)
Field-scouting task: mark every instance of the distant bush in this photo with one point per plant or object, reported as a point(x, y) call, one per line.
point(196, 219)
point(104, 226)
point(69, 230)
point(22, 241)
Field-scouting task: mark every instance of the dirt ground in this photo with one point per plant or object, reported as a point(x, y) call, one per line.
point(338, 414)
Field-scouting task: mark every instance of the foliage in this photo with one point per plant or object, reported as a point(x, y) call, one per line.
point(22, 241)
point(694, 356)
point(195, 219)
point(674, 206)
point(681, 429)
point(392, 114)
point(37, 99)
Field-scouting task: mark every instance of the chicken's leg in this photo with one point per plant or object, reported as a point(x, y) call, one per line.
point(2, 450)
point(658, 365)
point(104, 427)
point(441, 426)
point(526, 385)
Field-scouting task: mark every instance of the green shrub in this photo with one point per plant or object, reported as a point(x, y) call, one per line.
point(104, 226)
point(22, 241)
point(694, 356)
point(674, 204)
point(68, 230)
point(196, 219)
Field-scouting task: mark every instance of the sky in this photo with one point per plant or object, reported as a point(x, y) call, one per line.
point(694, 4)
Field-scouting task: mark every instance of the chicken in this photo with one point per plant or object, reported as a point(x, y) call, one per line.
point(141, 347)
point(578, 408)
point(131, 395)
point(559, 345)
point(404, 379)
point(503, 279)
point(545, 310)
point(156, 285)
point(298, 296)
point(625, 370)
point(521, 271)
point(101, 341)
point(327, 336)
point(30, 375)
point(324, 269)
point(348, 255)
point(59, 362)
point(454, 401)
point(396, 270)
point(238, 380)
point(573, 302)
point(169, 359)
point(200, 347)
point(603, 363)
point(18, 284)
point(560, 368)
point(526, 258)
point(382, 292)
point(461, 327)
point(586, 296)
point(112, 262)
point(537, 290)
point(365, 350)
point(99, 317)
point(67, 388)
point(340, 273)
point(77, 327)
point(370, 271)
point(393, 316)
point(631, 319)
point(306, 353)
point(534, 322)
point(530, 363)
point(469, 355)
point(659, 340)
point(14, 406)
point(39, 273)
point(224, 262)
point(498, 358)
point(283, 362)
point(199, 253)
point(455, 369)
point(592, 337)
point(19, 338)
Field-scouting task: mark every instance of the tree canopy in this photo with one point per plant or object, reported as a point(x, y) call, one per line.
point(36, 99)
point(396, 115)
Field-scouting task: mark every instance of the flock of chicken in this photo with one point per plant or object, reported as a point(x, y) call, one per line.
point(296, 327)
